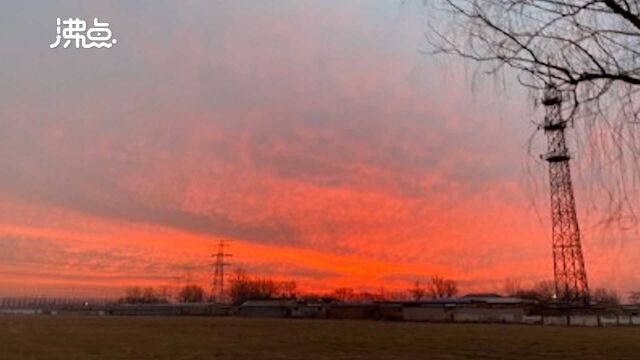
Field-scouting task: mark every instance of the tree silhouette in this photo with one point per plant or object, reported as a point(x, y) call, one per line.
point(191, 294)
point(605, 296)
point(243, 287)
point(417, 291)
point(585, 46)
point(146, 295)
point(512, 287)
point(589, 49)
point(441, 288)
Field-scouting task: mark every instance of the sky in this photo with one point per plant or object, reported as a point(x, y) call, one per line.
point(316, 137)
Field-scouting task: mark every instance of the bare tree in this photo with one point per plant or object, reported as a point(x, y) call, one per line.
point(588, 48)
point(243, 287)
point(440, 288)
point(344, 294)
point(149, 295)
point(542, 291)
point(164, 293)
point(288, 289)
point(417, 291)
point(146, 295)
point(545, 289)
point(132, 295)
point(634, 297)
point(605, 296)
point(512, 287)
point(191, 294)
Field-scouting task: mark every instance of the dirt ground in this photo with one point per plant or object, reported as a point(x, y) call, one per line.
point(58, 337)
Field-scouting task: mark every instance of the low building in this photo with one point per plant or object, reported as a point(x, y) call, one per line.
point(469, 308)
point(309, 311)
point(426, 312)
point(276, 308)
point(144, 310)
point(353, 311)
point(390, 311)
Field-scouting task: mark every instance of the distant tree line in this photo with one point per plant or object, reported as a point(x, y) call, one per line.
point(544, 291)
point(350, 295)
point(145, 295)
point(189, 293)
point(243, 287)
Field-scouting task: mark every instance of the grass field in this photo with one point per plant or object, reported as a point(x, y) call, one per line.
point(32, 337)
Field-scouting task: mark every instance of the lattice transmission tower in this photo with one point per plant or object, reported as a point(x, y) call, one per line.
point(568, 263)
point(218, 271)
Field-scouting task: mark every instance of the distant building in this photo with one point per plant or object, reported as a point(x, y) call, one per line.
point(482, 307)
point(310, 310)
point(353, 311)
point(275, 308)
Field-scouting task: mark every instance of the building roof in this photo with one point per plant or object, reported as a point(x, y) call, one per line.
point(499, 300)
point(449, 301)
point(482, 295)
point(269, 303)
point(492, 299)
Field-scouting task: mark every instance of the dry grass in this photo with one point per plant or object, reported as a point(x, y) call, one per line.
point(234, 338)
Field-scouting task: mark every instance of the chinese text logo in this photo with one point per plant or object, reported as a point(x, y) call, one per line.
point(75, 30)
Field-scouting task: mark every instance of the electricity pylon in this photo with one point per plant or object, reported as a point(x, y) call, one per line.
point(568, 263)
point(218, 272)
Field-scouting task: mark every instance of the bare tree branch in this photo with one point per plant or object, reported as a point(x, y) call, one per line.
point(589, 48)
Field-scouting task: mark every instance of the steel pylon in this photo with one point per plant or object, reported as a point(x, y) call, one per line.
point(570, 276)
point(219, 264)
